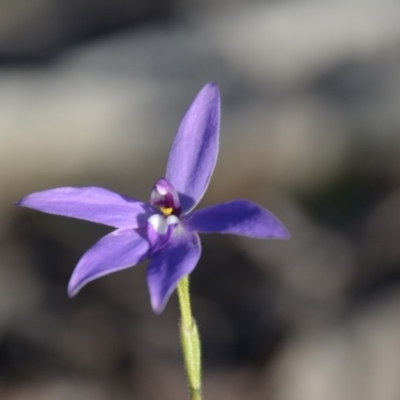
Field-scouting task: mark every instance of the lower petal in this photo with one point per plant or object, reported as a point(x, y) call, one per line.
point(240, 217)
point(176, 260)
point(118, 250)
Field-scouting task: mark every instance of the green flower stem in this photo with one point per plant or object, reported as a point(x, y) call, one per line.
point(190, 341)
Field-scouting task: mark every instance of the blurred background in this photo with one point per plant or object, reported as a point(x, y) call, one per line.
point(91, 93)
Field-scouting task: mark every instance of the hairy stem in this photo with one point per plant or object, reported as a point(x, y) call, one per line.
point(190, 341)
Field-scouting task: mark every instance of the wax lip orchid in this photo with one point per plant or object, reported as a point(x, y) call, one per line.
point(164, 231)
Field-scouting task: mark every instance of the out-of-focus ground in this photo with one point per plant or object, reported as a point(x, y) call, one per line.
point(91, 93)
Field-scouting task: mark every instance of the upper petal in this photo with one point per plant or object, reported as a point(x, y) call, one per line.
point(176, 260)
point(92, 204)
point(240, 217)
point(195, 148)
point(118, 250)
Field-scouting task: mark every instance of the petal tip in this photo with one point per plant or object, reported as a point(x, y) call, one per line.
point(158, 310)
point(75, 284)
point(159, 300)
point(22, 202)
point(284, 234)
point(212, 88)
point(72, 290)
point(157, 304)
point(280, 232)
point(212, 85)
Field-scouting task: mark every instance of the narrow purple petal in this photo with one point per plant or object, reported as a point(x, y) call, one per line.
point(176, 260)
point(240, 217)
point(118, 250)
point(195, 148)
point(92, 204)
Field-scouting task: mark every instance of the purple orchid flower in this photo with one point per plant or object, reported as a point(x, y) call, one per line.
point(164, 231)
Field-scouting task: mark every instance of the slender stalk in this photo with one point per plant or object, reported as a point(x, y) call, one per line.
point(190, 341)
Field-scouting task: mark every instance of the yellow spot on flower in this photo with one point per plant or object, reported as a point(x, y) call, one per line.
point(166, 211)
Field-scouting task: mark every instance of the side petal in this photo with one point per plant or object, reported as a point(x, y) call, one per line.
point(118, 250)
point(176, 260)
point(195, 148)
point(240, 217)
point(92, 204)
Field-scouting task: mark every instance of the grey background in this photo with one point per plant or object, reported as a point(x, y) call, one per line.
point(91, 93)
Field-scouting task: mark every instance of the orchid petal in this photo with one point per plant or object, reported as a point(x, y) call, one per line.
point(240, 217)
point(195, 148)
point(118, 250)
point(176, 260)
point(92, 204)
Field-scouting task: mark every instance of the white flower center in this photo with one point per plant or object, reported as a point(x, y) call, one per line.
point(161, 224)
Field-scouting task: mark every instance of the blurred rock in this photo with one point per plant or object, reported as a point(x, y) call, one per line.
point(379, 248)
point(298, 142)
point(357, 361)
point(287, 44)
point(20, 289)
point(34, 29)
point(310, 273)
point(61, 389)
